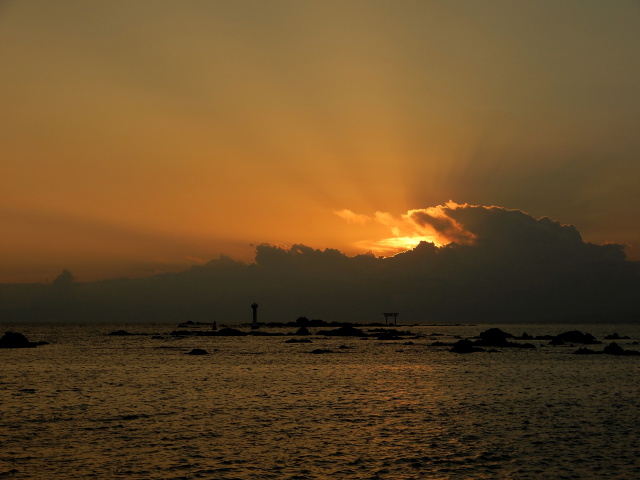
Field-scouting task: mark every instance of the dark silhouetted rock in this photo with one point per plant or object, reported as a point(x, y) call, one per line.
point(346, 331)
point(387, 336)
point(494, 333)
point(611, 349)
point(390, 333)
point(575, 336)
point(395, 331)
point(305, 322)
point(303, 331)
point(545, 337)
point(585, 351)
point(15, 340)
point(614, 349)
point(465, 346)
point(494, 337)
point(120, 333)
point(631, 352)
point(181, 333)
point(198, 351)
point(258, 333)
point(230, 332)
point(298, 340)
point(615, 336)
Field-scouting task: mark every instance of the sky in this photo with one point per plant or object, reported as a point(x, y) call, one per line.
point(148, 136)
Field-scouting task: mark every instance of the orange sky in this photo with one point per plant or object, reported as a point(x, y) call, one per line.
point(139, 137)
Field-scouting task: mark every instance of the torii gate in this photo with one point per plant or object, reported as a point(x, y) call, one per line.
point(394, 315)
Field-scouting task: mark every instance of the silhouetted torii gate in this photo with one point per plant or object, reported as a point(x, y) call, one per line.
point(394, 315)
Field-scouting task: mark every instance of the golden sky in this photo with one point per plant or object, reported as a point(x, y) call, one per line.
point(145, 136)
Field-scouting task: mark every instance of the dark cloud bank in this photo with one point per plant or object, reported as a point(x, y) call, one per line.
point(508, 266)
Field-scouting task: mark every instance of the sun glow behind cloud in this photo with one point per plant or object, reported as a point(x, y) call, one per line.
point(433, 224)
point(188, 131)
point(390, 246)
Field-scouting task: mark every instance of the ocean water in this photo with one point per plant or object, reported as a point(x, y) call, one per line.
point(89, 405)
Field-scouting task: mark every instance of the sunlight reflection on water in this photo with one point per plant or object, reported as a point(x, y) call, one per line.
point(91, 405)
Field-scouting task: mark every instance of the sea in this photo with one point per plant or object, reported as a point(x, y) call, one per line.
point(93, 405)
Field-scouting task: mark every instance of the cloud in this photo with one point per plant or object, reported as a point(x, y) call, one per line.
point(505, 233)
point(501, 265)
point(440, 221)
point(486, 227)
point(432, 224)
point(351, 217)
point(493, 263)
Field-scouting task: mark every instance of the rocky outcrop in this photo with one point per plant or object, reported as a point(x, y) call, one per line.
point(120, 333)
point(465, 346)
point(615, 336)
point(229, 332)
point(390, 333)
point(494, 337)
point(612, 349)
point(198, 351)
point(16, 340)
point(574, 336)
point(585, 351)
point(346, 331)
point(524, 336)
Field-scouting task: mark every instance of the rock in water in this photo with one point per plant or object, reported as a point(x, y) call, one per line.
point(615, 349)
point(198, 351)
point(346, 331)
point(120, 333)
point(574, 336)
point(465, 346)
point(231, 332)
point(15, 340)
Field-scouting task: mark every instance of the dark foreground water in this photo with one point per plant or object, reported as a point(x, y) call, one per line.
point(95, 406)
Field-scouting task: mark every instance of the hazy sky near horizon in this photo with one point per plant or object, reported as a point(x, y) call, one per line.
point(139, 137)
